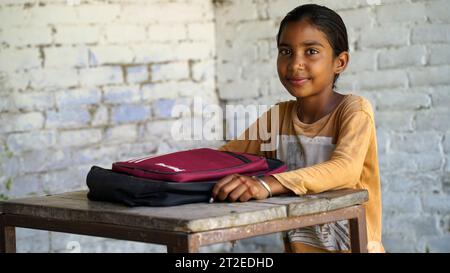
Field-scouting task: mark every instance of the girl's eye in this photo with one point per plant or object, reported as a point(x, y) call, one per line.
point(284, 51)
point(311, 51)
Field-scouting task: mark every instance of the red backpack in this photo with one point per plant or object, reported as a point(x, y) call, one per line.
point(173, 179)
point(196, 165)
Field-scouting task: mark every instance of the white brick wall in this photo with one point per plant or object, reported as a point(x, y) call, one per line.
point(89, 84)
point(79, 83)
point(399, 60)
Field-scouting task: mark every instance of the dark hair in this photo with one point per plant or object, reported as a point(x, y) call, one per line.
point(326, 20)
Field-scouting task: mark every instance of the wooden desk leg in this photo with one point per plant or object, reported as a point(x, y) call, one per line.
point(358, 232)
point(184, 244)
point(7, 238)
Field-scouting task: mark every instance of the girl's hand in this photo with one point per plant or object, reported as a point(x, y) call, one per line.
point(241, 188)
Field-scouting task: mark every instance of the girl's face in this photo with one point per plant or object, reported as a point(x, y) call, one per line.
point(306, 63)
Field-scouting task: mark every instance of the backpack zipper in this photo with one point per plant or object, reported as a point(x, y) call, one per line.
point(241, 157)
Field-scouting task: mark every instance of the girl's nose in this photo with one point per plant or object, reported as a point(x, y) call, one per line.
point(297, 63)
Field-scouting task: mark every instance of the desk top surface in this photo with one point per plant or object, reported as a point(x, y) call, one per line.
point(75, 206)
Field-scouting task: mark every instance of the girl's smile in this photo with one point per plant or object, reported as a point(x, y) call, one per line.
point(298, 81)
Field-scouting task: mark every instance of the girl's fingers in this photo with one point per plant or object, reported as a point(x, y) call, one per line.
point(246, 196)
point(220, 184)
point(227, 188)
point(237, 192)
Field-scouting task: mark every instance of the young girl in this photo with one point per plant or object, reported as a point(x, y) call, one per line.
point(327, 139)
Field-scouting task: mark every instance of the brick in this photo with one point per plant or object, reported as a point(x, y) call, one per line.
point(396, 162)
point(232, 52)
point(110, 54)
point(34, 140)
point(25, 185)
point(391, 14)
point(203, 70)
point(46, 161)
point(398, 243)
point(415, 226)
point(71, 118)
point(438, 11)
point(229, 71)
point(239, 90)
point(446, 143)
point(358, 18)
point(114, 246)
point(399, 121)
point(122, 94)
point(251, 31)
point(365, 60)
point(381, 79)
point(412, 182)
point(77, 138)
point(37, 16)
point(10, 18)
point(52, 180)
point(98, 13)
point(73, 243)
point(13, 60)
point(163, 12)
point(31, 101)
point(66, 57)
point(396, 100)
point(440, 96)
point(101, 75)
point(405, 203)
point(137, 74)
point(170, 71)
point(384, 37)
point(157, 128)
point(93, 155)
point(163, 33)
point(439, 54)
point(436, 244)
point(27, 36)
point(34, 241)
point(200, 32)
point(194, 51)
point(163, 108)
point(234, 12)
point(21, 122)
point(100, 116)
point(429, 162)
point(136, 150)
point(417, 142)
point(432, 120)
point(52, 77)
point(150, 53)
point(279, 8)
point(345, 4)
point(402, 57)
point(266, 70)
point(267, 50)
point(431, 34)
point(121, 133)
point(154, 91)
point(76, 97)
point(130, 113)
point(125, 33)
point(18, 80)
point(51, 14)
point(429, 76)
point(77, 34)
point(434, 203)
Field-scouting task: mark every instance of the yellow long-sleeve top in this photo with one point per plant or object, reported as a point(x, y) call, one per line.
point(337, 151)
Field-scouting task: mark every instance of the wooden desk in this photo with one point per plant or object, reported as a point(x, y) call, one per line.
point(182, 228)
